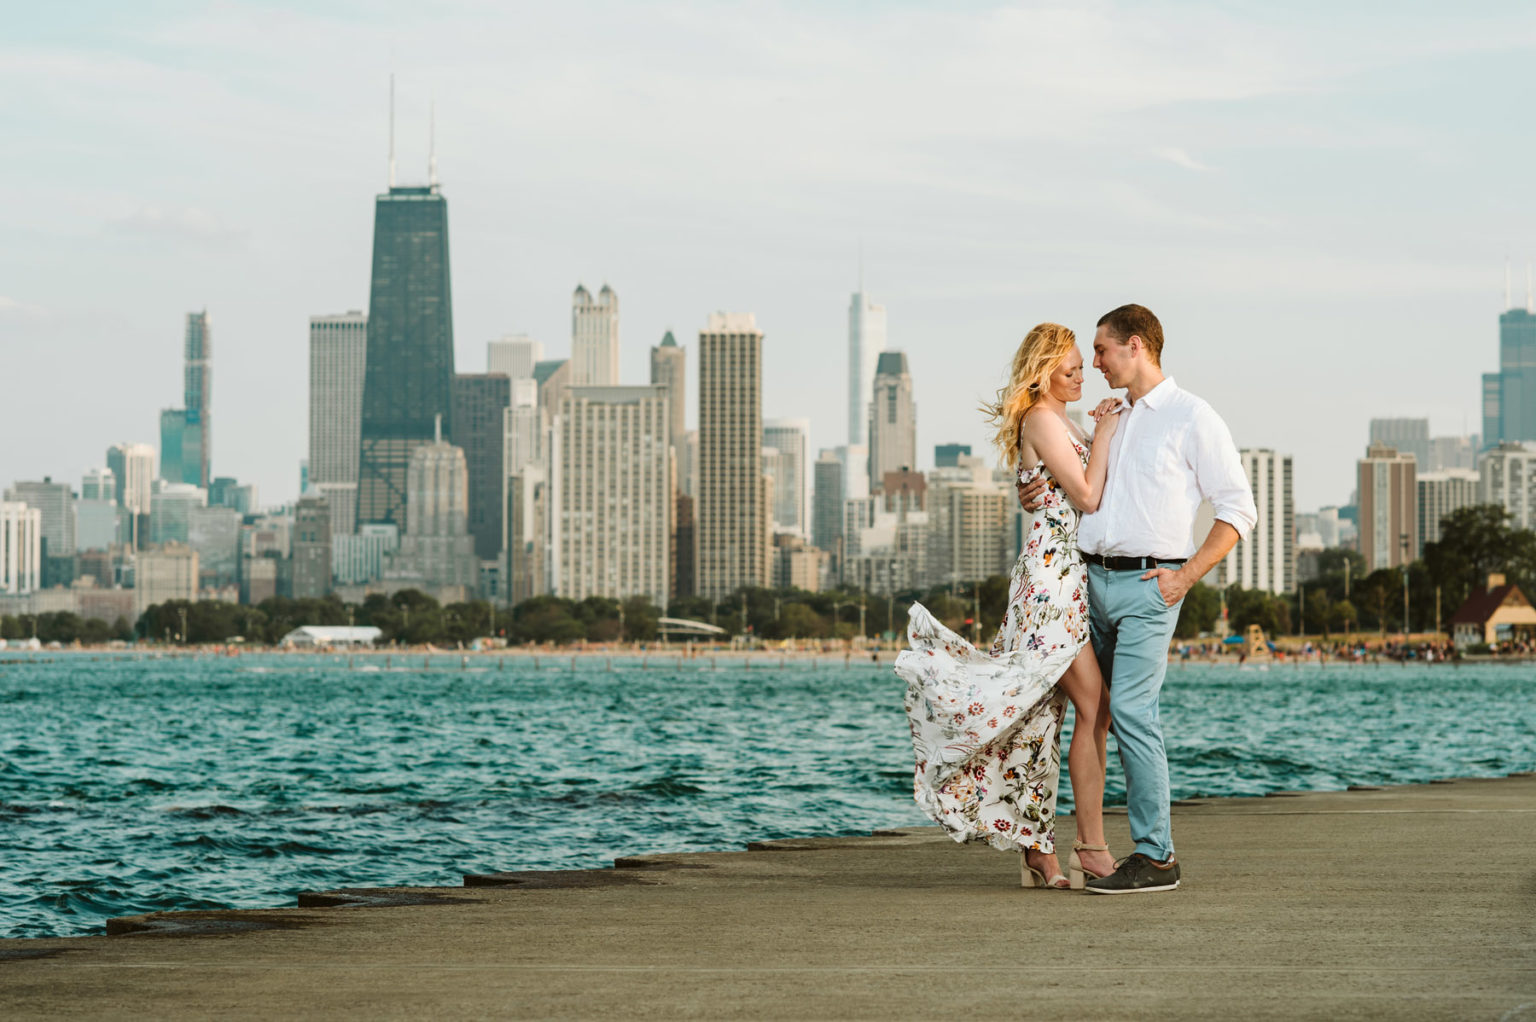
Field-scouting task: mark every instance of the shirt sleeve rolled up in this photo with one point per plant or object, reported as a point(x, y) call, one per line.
point(1219, 473)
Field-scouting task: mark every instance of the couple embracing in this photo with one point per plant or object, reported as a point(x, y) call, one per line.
point(1107, 557)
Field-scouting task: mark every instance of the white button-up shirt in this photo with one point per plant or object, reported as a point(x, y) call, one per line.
point(1170, 451)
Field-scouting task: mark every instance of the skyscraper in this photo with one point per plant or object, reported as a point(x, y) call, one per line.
point(184, 432)
point(408, 371)
point(98, 484)
point(669, 369)
point(1507, 477)
point(196, 443)
point(791, 438)
point(480, 403)
point(827, 519)
point(1407, 436)
point(133, 473)
point(1509, 395)
point(56, 504)
point(21, 530)
point(338, 352)
point(313, 541)
point(866, 339)
point(1440, 493)
point(892, 419)
point(730, 514)
point(514, 355)
point(948, 455)
point(612, 494)
point(594, 338)
point(1389, 521)
point(1266, 559)
point(437, 549)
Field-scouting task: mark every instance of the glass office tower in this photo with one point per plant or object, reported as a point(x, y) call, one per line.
point(408, 371)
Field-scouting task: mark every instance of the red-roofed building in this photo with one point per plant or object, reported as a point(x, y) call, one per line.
point(1498, 613)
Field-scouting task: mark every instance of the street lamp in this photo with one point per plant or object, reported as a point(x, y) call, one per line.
point(1404, 541)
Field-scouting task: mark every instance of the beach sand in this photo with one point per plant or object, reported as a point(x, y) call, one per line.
point(1403, 902)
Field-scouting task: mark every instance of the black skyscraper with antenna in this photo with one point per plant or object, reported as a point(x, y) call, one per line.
point(408, 371)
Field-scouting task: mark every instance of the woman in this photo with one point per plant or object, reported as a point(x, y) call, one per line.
point(986, 726)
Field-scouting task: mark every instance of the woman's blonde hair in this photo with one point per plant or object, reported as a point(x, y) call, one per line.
point(1041, 353)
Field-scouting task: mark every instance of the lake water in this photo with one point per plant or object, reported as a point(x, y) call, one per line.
point(132, 785)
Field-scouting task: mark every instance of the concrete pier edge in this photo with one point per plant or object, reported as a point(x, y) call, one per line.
point(1403, 901)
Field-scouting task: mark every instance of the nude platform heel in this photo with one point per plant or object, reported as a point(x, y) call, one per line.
point(1078, 876)
point(1031, 877)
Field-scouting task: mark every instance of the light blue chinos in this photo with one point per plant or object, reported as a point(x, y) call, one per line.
point(1131, 627)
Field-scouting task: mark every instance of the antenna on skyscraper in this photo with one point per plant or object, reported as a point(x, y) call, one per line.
point(391, 129)
point(432, 144)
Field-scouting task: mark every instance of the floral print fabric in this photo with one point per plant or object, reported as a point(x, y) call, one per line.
point(986, 726)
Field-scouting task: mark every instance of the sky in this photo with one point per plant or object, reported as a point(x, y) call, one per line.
point(1317, 199)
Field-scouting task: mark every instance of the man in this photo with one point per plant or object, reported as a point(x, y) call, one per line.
point(1171, 450)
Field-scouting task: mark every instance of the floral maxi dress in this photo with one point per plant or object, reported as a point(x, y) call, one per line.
point(986, 727)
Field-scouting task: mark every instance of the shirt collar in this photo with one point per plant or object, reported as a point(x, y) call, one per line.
point(1160, 395)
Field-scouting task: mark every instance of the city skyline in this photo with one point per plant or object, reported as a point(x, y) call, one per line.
point(1250, 166)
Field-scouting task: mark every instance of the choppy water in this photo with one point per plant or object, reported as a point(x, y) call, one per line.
point(152, 784)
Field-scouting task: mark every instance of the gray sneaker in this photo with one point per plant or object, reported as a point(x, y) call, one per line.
point(1137, 874)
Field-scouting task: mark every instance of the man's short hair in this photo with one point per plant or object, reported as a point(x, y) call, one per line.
point(1138, 320)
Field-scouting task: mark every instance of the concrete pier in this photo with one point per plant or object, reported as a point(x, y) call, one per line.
point(1402, 903)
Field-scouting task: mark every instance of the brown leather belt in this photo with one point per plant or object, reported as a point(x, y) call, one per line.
point(1132, 563)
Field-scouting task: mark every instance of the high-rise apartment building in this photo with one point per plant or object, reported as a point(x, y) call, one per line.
point(1406, 436)
point(1440, 493)
point(514, 355)
point(313, 544)
point(612, 494)
point(480, 405)
point(791, 438)
point(1389, 519)
point(731, 524)
point(21, 551)
point(360, 558)
point(892, 419)
point(1266, 558)
point(594, 338)
point(1509, 395)
point(338, 351)
point(214, 532)
point(827, 516)
point(866, 339)
point(1507, 477)
point(408, 371)
point(669, 369)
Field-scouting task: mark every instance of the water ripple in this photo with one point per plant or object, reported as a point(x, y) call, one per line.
point(198, 783)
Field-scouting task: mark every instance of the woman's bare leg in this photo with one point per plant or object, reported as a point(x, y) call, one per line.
point(1086, 761)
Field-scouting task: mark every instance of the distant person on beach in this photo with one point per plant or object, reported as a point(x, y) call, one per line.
point(1170, 452)
point(986, 725)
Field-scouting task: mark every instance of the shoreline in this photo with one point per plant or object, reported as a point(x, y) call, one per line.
point(870, 655)
point(880, 925)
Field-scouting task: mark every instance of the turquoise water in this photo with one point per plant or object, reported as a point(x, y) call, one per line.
point(136, 785)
